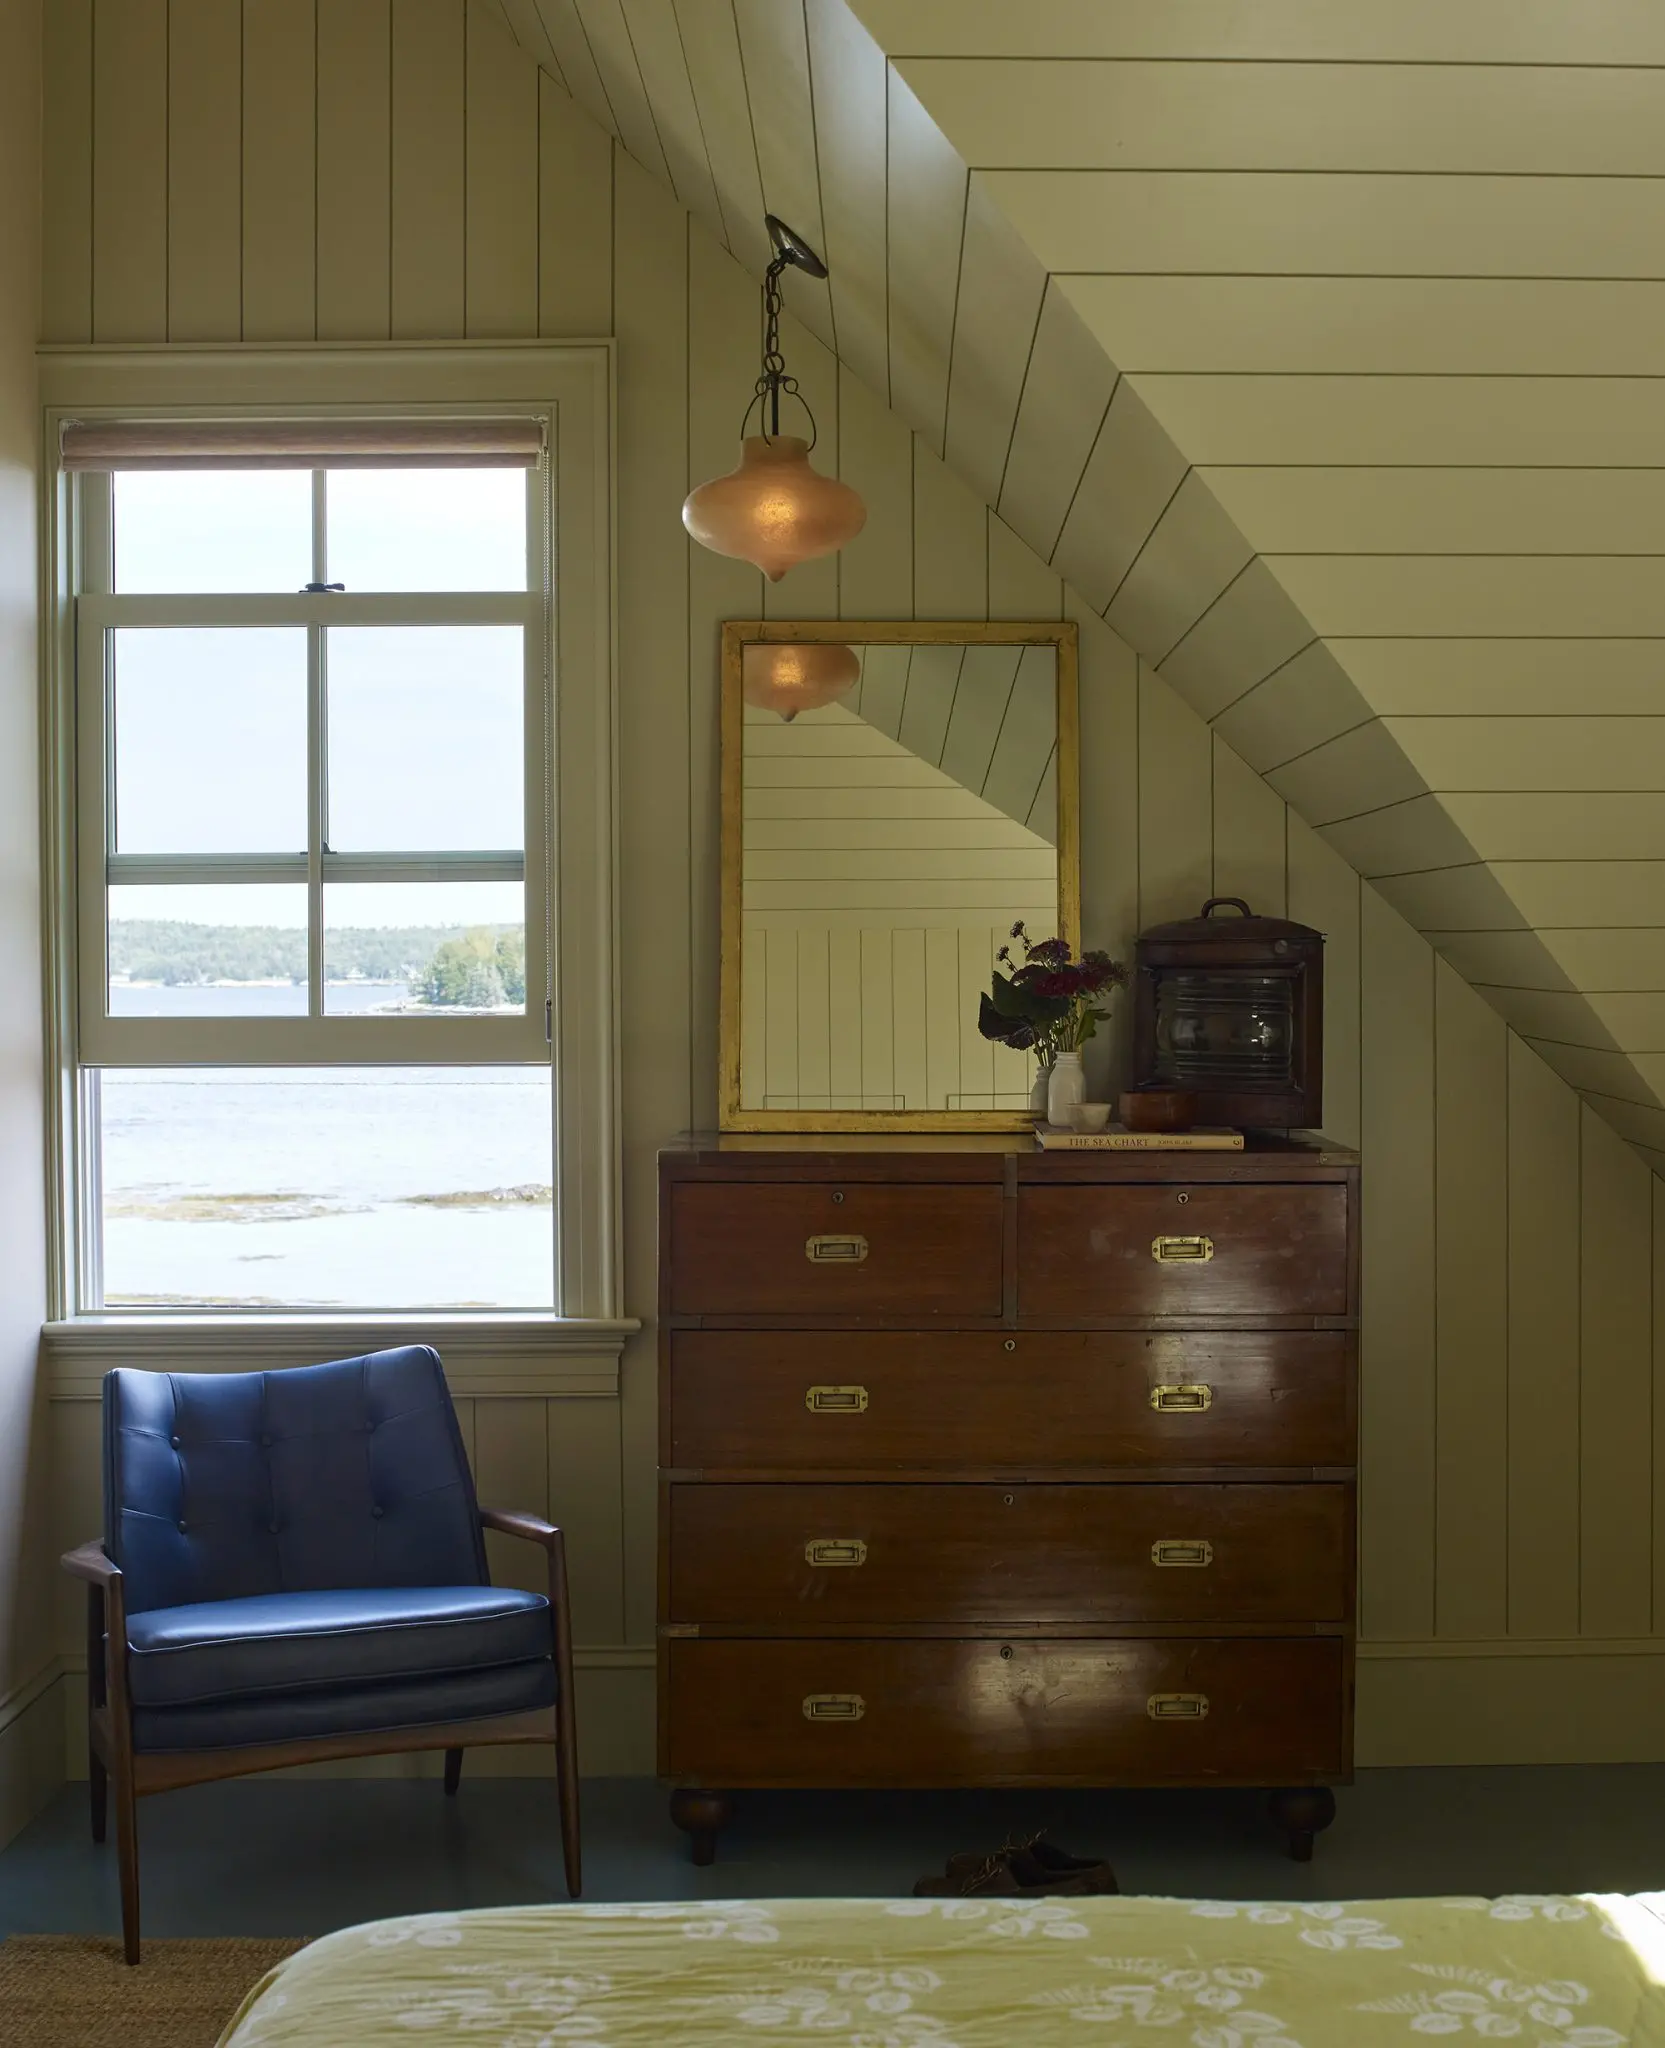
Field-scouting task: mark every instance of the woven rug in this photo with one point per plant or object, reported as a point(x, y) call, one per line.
point(74, 1990)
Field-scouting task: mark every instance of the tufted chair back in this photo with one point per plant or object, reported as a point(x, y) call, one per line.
point(318, 1478)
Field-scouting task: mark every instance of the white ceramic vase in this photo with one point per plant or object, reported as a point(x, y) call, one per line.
point(1066, 1086)
point(1037, 1092)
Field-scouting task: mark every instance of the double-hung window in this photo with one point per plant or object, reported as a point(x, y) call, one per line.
point(312, 964)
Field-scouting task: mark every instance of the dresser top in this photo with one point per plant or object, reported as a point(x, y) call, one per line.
point(955, 1155)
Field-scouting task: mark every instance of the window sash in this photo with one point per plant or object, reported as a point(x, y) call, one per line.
point(316, 1039)
point(570, 387)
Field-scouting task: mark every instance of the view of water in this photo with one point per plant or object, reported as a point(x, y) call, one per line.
point(351, 1187)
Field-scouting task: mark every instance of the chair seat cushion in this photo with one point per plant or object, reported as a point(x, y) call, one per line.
point(469, 1695)
point(294, 1642)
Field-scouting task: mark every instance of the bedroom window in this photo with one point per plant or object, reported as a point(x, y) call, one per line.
point(314, 809)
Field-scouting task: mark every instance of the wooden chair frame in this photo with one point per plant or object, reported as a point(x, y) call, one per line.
point(112, 1761)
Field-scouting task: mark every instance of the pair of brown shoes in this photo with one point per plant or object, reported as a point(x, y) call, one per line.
point(1021, 1870)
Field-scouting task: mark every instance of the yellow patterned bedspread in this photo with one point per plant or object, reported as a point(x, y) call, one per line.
point(906, 1973)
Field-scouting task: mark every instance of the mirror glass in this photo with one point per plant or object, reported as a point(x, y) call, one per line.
point(892, 830)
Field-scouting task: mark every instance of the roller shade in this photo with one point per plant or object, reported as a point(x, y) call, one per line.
point(302, 444)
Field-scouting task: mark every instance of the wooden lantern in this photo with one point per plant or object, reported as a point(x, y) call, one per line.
point(1231, 1010)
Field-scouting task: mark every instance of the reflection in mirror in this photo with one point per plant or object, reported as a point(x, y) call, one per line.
point(889, 840)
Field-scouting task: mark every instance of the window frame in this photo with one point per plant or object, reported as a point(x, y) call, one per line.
point(570, 872)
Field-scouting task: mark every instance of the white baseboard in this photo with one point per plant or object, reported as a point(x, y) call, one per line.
point(1512, 1702)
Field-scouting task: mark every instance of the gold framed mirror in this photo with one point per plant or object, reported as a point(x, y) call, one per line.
point(896, 795)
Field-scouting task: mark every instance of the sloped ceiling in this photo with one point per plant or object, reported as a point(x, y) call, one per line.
point(1321, 347)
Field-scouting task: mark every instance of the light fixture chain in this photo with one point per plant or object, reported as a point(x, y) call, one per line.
point(774, 378)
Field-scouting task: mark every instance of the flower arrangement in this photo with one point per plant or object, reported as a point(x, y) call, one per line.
point(1048, 1003)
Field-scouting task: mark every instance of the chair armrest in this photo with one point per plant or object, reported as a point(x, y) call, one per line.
point(511, 1522)
point(91, 1564)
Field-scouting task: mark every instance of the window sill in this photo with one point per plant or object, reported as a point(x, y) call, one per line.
point(527, 1353)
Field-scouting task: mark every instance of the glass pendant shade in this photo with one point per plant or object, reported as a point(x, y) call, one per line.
point(774, 510)
point(789, 678)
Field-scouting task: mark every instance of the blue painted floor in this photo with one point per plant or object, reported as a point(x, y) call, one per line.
point(299, 1857)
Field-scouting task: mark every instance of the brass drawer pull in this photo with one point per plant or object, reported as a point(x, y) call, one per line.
point(1182, 1251)
point(830, 1550)
point(1166, 1706)
point(836, 1400)
point(847, 1250)
point(1189, 1400)
point(834, 1706)
point(1182, 1550)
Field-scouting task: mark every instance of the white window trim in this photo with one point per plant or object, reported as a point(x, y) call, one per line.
point(574, 385)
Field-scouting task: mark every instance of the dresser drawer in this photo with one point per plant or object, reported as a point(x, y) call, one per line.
point(808, 1248)
point(801, 1556)
point(1210, 1249)
point(739, 1400)
point(859, 1711)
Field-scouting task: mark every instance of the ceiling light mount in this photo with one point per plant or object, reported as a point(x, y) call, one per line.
point(775, 510)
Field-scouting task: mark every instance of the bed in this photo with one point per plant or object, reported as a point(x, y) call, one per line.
point(1586, 1972)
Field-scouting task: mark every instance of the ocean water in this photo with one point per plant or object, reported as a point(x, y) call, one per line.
point(349, 1187)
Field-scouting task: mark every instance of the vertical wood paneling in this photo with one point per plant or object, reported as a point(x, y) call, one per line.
point(280, 157)
point(847, 80)
point(500, 237)
point(1397, 1381)
point(950, 543)
point(1176, 805)
point(1471, 1254)
point(1250, 858)
point(205, 174)
point(66, 172)
point(1021, 586)
point(586, 1502)
point(722, 329)
point(130, 170)
point(1658, 1400)
point(1109, 692)
point(907, 997)
point(878, 1009)
point(427, 263)
point(1324, 892)
point(511, 1470)
point(1615, 1388)
point(656, 43)
point(774, 51)
point(609, 42)
point(1542, 1430)
point(650, 288)
point(711, 44)
point(875, 457)
point(355, 84)
point(575, 219)
point(844, 1015)
point(927, 190)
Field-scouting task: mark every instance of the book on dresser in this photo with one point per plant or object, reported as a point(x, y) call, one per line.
point(987, 1465)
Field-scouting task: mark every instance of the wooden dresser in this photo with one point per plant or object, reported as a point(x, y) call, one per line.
point(988, 1466)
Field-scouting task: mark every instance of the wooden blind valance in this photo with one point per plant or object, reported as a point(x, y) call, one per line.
point(302, 444)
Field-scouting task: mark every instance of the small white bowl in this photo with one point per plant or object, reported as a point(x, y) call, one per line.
point(1089, 1116)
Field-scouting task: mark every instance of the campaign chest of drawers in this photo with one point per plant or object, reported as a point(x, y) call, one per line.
point(988, 1466)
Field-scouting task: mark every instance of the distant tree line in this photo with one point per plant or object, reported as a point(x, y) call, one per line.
point(477, 967)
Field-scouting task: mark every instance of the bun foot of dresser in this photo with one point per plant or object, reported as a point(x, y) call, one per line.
point(1303, 1813)
point(701, 1816)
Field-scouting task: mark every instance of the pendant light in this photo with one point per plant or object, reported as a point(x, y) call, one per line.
point(789, 677)
point(774, 510)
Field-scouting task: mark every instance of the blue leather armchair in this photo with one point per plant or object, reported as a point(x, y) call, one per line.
point(293, 1568)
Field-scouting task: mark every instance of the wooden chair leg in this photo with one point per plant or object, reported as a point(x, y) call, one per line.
point(566, 1715)
point(98, 1791)
point(453, 1772)
point(566, 1770)
point(127, 1855)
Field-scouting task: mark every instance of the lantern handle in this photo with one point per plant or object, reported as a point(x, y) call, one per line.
point(1233, 902)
